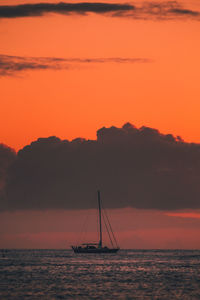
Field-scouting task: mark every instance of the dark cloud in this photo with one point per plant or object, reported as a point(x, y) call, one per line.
point(140, 168)
point(164, 10)
point(10, 65)
point(7, 158)
point(39, 9)
point(145, 10)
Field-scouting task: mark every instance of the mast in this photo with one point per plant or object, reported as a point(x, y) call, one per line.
point(100, 227)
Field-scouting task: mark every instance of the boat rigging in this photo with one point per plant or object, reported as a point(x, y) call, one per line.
point(100, 247)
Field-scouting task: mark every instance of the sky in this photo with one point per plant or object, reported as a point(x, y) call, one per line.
point(69, 70)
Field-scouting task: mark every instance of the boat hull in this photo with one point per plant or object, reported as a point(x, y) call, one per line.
point(100, 250)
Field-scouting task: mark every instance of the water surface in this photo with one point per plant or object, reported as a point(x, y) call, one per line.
point(129, 274)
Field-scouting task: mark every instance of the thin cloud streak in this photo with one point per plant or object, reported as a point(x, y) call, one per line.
point(146, 10)
point(39, 9)
point(10, 65)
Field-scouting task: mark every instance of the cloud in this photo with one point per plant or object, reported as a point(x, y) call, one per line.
point(10, 65)
point(39, 9)
point(145, 10)
point(133, 167)
point(7, 157)
point(165, 10)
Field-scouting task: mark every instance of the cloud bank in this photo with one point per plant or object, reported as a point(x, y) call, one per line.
point(7, 158)
point(11, 65)
point(133, 167)
point(145, 10)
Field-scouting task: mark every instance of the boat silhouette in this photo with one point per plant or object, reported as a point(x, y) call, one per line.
point(99, 247)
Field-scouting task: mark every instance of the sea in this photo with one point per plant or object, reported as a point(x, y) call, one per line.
point(129, 274)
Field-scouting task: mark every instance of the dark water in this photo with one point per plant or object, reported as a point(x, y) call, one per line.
point(130, 274)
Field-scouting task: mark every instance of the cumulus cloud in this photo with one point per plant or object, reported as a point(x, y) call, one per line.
point(145, 10)
point(7, 157)
point(133, 167)
point(11, 65)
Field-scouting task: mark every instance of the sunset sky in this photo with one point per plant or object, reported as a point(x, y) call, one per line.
point(69, 70)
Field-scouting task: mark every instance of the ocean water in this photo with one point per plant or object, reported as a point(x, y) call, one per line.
point(129, 274)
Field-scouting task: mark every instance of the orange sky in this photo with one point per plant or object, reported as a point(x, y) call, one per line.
point(68, 103)
point(139, 229)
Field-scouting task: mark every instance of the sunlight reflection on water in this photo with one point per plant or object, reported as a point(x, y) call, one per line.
point(129, 274)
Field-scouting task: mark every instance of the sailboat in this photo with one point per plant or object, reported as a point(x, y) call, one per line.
point(99, 247)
